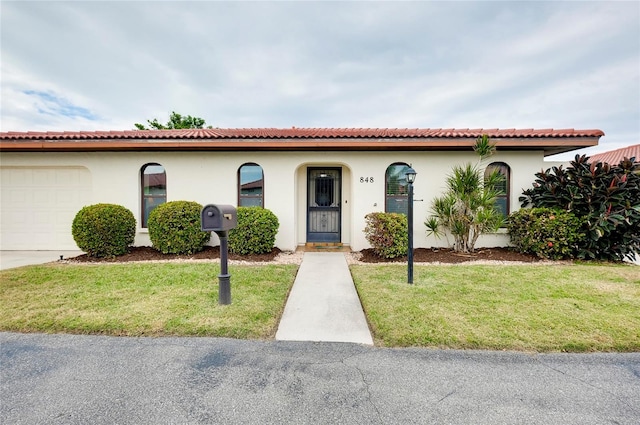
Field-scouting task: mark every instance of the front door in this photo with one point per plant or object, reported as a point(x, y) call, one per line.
point(323, 204)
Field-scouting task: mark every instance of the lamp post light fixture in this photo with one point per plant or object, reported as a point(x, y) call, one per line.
point(410, 175)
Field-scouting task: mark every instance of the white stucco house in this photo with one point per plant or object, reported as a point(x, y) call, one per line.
point(319, 182)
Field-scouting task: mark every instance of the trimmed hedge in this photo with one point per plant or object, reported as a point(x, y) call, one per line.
point(255, 233)
point(547, 233)
point(174, 228)
point(104, 230)
point(387, 233)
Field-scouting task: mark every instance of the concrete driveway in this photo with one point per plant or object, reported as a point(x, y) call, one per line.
point(12, 259)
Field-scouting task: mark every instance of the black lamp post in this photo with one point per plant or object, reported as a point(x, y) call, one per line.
point(410, 175)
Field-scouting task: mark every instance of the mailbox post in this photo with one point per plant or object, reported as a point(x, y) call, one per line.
point(220, 219)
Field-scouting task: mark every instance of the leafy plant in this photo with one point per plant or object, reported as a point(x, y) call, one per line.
point(176, 121)
point(387, 233)
point(606, 197)
point(104, 230)
point(468, 207)
point(255, 233)
point(547, 233)
point(174, 228)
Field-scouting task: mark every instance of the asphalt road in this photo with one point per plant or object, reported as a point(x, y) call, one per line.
point(73, 379)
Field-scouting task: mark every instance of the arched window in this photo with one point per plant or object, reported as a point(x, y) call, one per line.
point(153, 181)
point(504, 187)
point(396, 189)
point(250, 185)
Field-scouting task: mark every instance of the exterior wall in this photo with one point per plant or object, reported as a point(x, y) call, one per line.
point(211, 177)
point(432, 169)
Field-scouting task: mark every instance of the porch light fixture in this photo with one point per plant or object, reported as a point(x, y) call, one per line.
point(410, 175)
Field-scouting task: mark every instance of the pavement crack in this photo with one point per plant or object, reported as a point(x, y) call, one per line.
point(448, 395)
point(367, 387)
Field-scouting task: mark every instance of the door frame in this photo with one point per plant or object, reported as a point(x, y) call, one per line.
point(326, 237)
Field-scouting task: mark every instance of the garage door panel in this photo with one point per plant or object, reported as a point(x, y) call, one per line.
point(64, 196)
point(43, 219)
point(17, 218)
point(65, 238)
point(70, 178)
point(39, 204)
point(15, 240)
point(66, 177)
point(43, 177)
point(42, 198)
point(14, 195)
point(16, 177)
point(42, 238)
point(64, 220)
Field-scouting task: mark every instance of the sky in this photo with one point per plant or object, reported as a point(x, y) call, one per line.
point(87, 65)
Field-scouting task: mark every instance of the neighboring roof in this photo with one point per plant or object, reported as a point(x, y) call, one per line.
point(158, 179)
point(254, 184)
point(614, 157)
point(552, 141)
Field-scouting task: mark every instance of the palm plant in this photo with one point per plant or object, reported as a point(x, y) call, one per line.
point(468, 207)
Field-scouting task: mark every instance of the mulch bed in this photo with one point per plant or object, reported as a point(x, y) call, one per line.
point(448, 256)
point(146, 253)
point(421, 255)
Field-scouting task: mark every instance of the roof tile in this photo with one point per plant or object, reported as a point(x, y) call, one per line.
point(614, 157)
point(299, 133)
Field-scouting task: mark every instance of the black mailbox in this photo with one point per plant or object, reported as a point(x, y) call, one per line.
point(218, 218)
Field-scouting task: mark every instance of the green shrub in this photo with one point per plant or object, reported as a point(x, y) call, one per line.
point(255, 233)
point(606, 196)
point(174, 228)
point(547, 233)
point(104, 230)
point(387, 233)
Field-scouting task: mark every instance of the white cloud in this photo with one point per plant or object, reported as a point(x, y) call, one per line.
point(272, 64)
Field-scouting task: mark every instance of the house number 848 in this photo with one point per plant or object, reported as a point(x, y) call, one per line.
point(366, 179)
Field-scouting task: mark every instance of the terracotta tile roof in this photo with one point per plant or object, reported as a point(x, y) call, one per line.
point(614, 157)
point(300, 133)
point(550, 141)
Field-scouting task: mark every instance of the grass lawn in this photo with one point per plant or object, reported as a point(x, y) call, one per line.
point(576, 307)
point(579, 307)
point(144, 299)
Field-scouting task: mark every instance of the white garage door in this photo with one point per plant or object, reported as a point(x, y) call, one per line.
point(38, 204)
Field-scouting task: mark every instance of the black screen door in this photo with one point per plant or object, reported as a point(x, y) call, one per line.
point(323, 204)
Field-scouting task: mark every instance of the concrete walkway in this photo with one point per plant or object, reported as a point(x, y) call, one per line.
point(323, 304)
point(13, 259)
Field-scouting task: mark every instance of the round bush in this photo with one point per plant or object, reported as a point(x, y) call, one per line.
point(174, 228)
point(104, 230)
point(547, 233)
point(255, 233)
point(388, 234)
